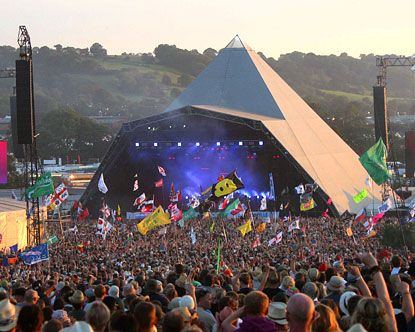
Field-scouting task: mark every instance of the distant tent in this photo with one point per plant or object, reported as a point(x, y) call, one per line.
point(239, 85)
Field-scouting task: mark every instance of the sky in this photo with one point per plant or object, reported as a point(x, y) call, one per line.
point(272, 26)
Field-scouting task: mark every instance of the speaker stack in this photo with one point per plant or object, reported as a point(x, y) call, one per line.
point(381, 122)
point(24, 102)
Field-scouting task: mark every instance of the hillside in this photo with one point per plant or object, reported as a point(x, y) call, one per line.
point(91, 82)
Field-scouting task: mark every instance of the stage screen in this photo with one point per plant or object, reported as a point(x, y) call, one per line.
point(3, 162)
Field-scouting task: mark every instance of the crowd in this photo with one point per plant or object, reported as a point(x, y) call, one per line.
point(316, 279)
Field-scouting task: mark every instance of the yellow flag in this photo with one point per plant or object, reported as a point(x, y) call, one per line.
point(261, 227)
point(245, 228)
point(349, 231)
point(307, 206)
point(154, 220)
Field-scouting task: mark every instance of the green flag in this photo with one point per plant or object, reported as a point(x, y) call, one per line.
point(360, 196)
point(42, 187)
point(189, 214)
point(218, 257)
point(374, 161)
point(231, 207)
point(53, 239)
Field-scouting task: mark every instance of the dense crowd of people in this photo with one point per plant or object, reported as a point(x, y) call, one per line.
point(318, 278)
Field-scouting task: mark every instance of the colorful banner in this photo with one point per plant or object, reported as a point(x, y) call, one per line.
point(3, 162)
point(360, 196)
point(42, 187)
point(35, 255)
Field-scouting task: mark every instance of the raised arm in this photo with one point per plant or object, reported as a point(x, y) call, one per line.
point(360, 282)
point(407, 303)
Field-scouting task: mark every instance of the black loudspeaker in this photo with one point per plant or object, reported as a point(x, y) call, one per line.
point(381, 120)
point(24, 102)
point(17, 148)
point(410, 153)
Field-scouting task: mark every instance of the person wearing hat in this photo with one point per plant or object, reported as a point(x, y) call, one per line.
point(277, 313)
point(335, 286)
point(8, 317)
point(77, 300)
point(114, 292)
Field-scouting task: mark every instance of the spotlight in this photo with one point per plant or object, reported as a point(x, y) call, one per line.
point(261, 143)
point(155, 144)
point(179, 144)
point(241, 143)
point(184, 126)
point(217, 143)
point(197, 144)
point(170, 126)
point(137, 144)
point(148, 128)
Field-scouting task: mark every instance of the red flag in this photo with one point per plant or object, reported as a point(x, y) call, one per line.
point(329, 201)
point(84, 213)
point(256, 243)
point(325, 215)
point(159, 183)
point(175, 213)
point(224, 204)
point(360, 216)
point(238, 208)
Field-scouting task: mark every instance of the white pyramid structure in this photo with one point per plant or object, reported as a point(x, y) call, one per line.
point(239, 82)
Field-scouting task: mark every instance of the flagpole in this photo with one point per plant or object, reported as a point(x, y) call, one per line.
point(218, 257)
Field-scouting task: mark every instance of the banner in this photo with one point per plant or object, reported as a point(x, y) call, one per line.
point(374, 161)
point(307, 206)
point(53, 239)
point(154, 220)
point(42, 187)
point(35, 255)
point(360, 196)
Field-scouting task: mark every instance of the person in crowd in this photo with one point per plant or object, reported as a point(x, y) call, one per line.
point(98, 316)
point(326, 320)
point(30, 319)
point(8, 316)
point(204, 302)
point(300, 313)
point(145, 315)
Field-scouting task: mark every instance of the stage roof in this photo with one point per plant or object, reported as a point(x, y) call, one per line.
point(239, 82)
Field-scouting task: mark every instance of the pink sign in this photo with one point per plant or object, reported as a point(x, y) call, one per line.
point(3, 162)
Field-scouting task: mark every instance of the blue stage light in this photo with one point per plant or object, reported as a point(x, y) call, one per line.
point(241, 143)
point(179, 144)
point(137, 144)
point(197, 144)
point(261, 143)
point(155, 144)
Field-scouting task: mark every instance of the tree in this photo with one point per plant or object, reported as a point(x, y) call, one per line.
point(98, 50)
point(210, 53)
point(184, 80)
point(65, 132)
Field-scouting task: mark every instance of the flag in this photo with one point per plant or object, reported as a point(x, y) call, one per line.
point(349, 232)
point(360, 196)
point(193, 236)
point(107, 229)
point(294, 225)
point(53, 239)
point(226, 186)
point(147, 206)
point(307, 206)
point(14, 248)
point(135, 185)
point(261, 227)
point(325, 214)
point(100, 223)
point(224, 204)
point(256, 243)
point(263, 204)
point(159, 183)
point(271, 187)
point(42, 187)
point(212, 227)
point(370, 234)
point(275, 240)
point(376, 218)
point(329, 201)
point(162, 171)
point(35, 255)
point(299, 190)
point(386, 206)
point(218, 257)
point(14, 195)
point(374, 161)
point(84, 214)
point(245, 228)
point(234, 208)
point(172, 192)
point(61, 194)
point(154, 220)
point(189, 214)
point(140, 199)
point(175, 213)
point(194, 202)
point(102, 187)
point(360, 216)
